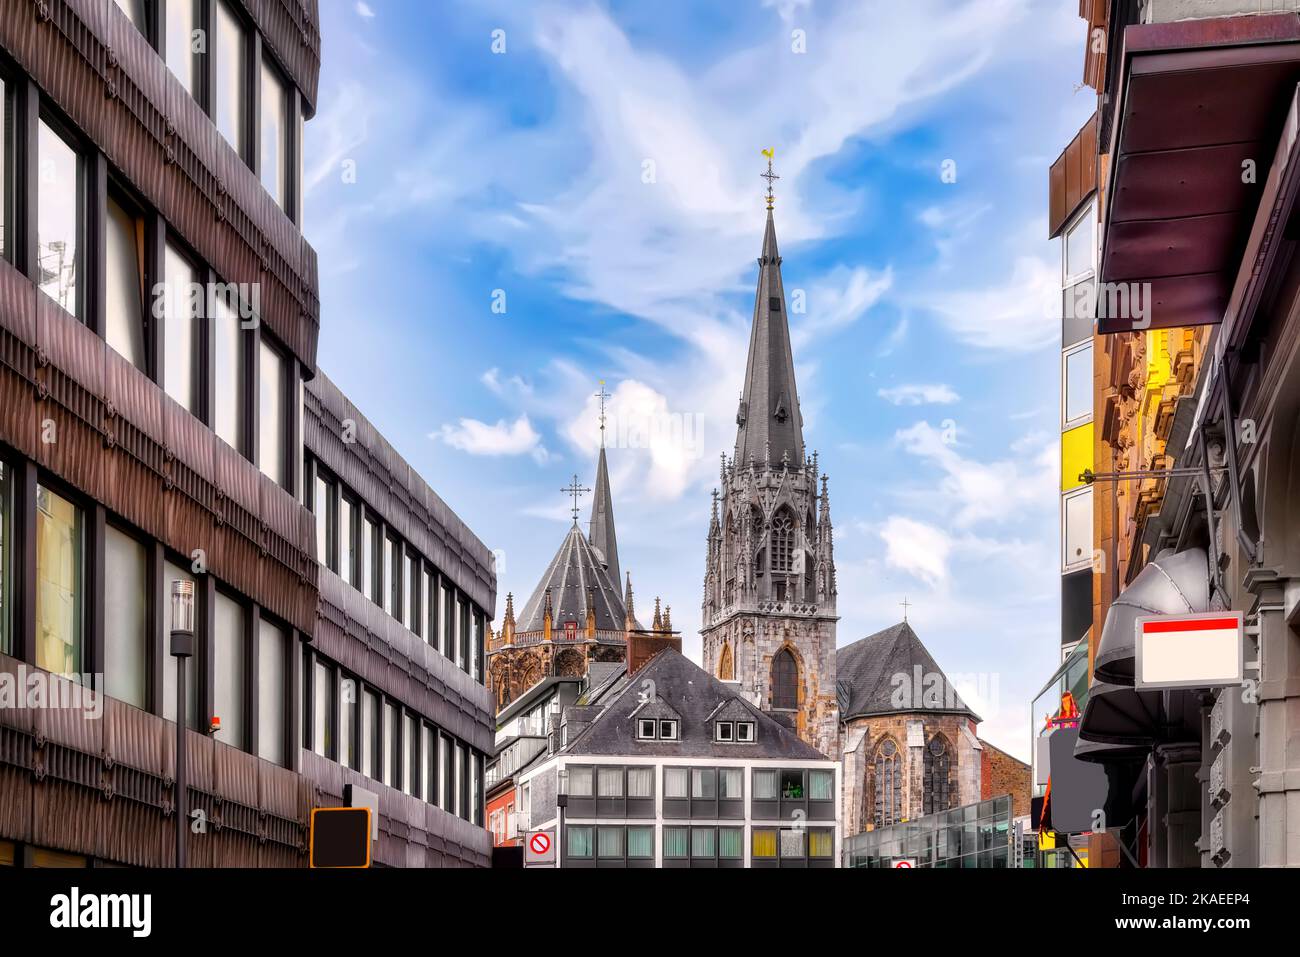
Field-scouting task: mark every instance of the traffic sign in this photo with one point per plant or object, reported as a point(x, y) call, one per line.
point(906, 863)
point(540, 847)
point(340, 837)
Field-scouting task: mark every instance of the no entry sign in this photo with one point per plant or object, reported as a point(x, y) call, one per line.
point(540, 847)
point(1190, 651)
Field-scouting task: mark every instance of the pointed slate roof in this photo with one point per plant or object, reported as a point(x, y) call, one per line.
point(866, 669)
point(769, 422)
point(693, 695)
point(573, 570)
point(602, 535)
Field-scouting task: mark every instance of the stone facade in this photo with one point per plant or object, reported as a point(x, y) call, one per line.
point(749, 643)
point(769, 581)
point(910, 734)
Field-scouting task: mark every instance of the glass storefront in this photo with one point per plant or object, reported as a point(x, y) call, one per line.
point(977, 835)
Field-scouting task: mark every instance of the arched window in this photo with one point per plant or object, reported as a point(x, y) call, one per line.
point(726, 668)
point(785, 681)
point(782, 541)
point(887, 785)
point(937, 783)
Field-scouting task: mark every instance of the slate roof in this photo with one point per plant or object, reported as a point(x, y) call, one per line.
point(602, 535)
point(574, 568)
point(770, 424)
point(865, 670)
point(694, 695)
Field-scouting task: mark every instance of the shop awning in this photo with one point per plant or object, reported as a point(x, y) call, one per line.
point(1174, 583)
point(1200, 100)
point(1126, 722)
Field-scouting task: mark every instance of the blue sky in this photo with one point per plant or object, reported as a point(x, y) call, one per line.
point(597, 176)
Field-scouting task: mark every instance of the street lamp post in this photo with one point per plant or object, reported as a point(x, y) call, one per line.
point(561, 802)
point(182, 647)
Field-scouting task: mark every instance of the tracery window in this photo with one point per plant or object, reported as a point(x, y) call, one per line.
point(937, 789)
point(887, 786)
point(785, 679)
point(782, 542)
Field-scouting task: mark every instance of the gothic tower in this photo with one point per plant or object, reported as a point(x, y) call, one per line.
point(769, 585)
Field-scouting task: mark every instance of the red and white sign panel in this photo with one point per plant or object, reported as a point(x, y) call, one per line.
point(540, 847)
point(1190, 651)
point(904, 863)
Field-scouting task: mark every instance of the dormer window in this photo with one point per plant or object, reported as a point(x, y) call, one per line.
point(724, 731)
point(647, 729)
point(667, 730)
point(745, 732)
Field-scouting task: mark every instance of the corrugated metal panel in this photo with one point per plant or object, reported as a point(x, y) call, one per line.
point(291, 28)
point(102, 73)
point(123, 443)
point(388, 485)
point(1073, 177)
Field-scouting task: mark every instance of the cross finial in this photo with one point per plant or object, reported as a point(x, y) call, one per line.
point(906, 605)
point(602, 395)
point(575, 490)
point(769, 175)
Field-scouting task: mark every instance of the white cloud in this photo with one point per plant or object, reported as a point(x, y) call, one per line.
point(364, 10)
point(838, 299)
point(514, 385)
point(982, 491)
point(917, 548)
point(1018, 314)
point(657, 444)
point(503, 438)
point(919, 394)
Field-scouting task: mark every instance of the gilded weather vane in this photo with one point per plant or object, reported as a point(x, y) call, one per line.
point(769, 175)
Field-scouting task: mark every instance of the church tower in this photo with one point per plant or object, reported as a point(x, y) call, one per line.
point(769, 588)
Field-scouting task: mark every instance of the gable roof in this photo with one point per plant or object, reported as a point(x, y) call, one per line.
point(866, 669)
point(694, 694)
point(575, 568)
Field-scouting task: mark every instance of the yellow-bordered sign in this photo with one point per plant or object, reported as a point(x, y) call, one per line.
point(342, 836)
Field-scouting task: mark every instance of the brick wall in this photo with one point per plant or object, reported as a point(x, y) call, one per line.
point(1000, 773)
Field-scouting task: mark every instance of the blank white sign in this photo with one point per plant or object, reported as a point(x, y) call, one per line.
point(1196, 651)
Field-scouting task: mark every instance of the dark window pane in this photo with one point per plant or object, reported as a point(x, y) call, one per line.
point(785, 674)
point(124, 284)
point(183, 309)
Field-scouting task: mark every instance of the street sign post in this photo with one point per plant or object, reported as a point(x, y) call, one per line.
point(1190, 651)
point(340, 837)
point(539, 848)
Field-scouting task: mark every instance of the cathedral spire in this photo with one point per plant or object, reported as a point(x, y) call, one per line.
point(601, 530)
point(770, 426)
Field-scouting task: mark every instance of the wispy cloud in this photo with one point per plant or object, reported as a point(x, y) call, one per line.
point(917, 548)
point(919, 394)
point(364, 10)
point(503, 438)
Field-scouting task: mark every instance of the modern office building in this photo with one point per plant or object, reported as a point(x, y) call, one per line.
point(662, 765)
point(162, 420)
